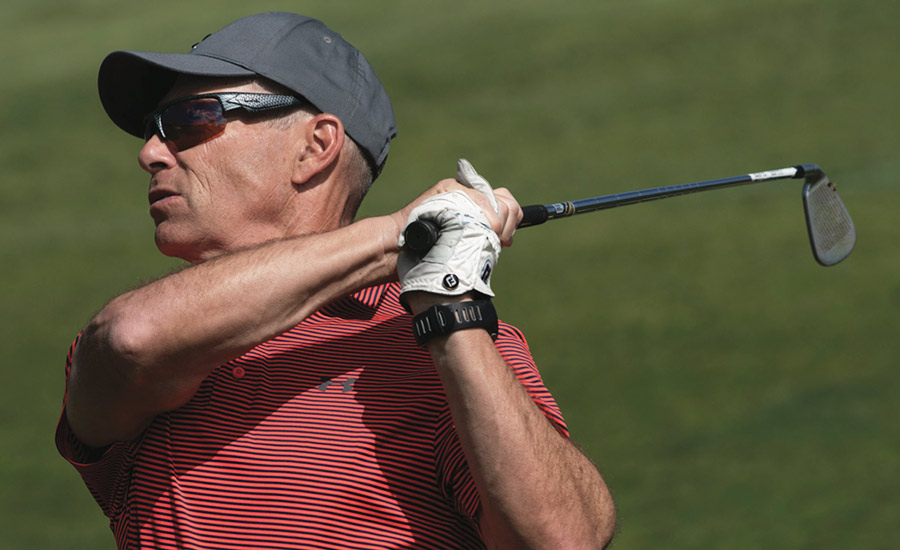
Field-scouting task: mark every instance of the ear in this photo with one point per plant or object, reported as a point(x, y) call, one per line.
point(323, 137)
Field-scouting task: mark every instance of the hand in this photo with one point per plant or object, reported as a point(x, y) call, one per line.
point(473, 220)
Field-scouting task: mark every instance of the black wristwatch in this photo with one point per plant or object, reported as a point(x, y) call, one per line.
point(441, 320)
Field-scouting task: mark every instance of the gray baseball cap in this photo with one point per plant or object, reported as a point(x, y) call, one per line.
point(297, 52)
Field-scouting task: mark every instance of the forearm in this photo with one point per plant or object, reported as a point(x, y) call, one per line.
point(149, 349)
point(211, 312)
point(537, 490)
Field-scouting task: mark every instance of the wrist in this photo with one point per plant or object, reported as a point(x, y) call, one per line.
point(418, 301)
point(391, 227)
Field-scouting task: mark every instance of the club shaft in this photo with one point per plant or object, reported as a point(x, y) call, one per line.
point(581, 206)
point(421, 234)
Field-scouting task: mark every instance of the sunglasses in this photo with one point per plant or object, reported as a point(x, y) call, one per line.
point(192, 120)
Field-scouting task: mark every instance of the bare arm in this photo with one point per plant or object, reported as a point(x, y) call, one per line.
point(148, 350)
point(537, 490)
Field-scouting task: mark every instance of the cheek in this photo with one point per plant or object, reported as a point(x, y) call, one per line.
point(253, 159)
point(240, 173)
point(253, 182)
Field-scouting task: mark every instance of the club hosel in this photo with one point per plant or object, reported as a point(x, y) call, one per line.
point(808, 171)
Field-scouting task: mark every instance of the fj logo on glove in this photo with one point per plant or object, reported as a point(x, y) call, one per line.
point(450, 281)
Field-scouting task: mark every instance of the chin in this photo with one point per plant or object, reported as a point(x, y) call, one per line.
point(177, 248)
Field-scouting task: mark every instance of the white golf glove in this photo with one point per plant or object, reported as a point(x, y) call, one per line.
point(466, 250)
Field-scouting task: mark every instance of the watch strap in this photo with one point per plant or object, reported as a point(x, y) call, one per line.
point(441, 320)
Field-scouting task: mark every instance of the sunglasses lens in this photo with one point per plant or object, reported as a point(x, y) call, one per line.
point(192, 122)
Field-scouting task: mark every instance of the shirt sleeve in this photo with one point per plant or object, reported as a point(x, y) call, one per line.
point(456, 480)
point(106, 470)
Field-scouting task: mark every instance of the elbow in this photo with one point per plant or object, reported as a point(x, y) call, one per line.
point(105, 394)
point(590, 527)
point(595, 534)
point(129, 354)
point(606, 529)
point(598, 535)
point(597, 526)
point(119, 344)
point(605, 519)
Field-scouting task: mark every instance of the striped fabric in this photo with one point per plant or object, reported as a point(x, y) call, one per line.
point(336, 434)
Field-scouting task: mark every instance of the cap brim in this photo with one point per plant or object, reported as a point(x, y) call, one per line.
point(132, 84)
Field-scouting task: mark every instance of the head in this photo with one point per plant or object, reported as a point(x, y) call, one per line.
point(325, 149)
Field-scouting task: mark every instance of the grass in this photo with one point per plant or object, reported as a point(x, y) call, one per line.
point(735, 394)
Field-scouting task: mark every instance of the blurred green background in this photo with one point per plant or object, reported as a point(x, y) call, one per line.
point(734, 393)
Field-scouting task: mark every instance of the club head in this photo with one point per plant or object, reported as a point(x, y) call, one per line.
point(831, 230)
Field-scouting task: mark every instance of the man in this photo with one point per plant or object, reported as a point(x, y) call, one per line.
point(273, 394)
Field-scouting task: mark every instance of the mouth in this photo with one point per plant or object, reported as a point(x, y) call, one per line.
point(156, 195)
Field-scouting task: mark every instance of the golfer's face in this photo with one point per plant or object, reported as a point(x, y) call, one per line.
point(229, 192)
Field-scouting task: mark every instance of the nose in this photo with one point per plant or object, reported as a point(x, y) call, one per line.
point(156, 155)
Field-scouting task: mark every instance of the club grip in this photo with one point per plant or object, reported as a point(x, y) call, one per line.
point(421, 235)
point(534, 214)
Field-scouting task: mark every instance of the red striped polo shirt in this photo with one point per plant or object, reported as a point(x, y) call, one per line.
point(335, 434)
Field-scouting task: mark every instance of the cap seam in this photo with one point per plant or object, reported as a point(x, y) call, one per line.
point(357, 85)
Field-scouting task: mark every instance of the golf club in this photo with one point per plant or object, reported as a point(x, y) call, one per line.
point(832, 234)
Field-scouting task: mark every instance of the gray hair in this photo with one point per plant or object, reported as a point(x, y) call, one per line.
point(355, 164)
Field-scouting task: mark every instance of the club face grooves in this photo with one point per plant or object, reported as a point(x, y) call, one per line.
point(832, 234)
